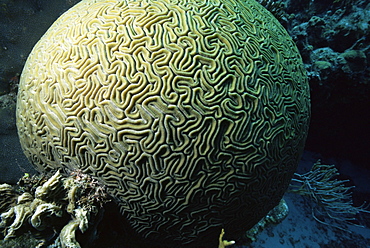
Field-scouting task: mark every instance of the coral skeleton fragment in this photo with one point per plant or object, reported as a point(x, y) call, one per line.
point(54, 210)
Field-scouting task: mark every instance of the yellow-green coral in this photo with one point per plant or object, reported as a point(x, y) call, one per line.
point(192, 113)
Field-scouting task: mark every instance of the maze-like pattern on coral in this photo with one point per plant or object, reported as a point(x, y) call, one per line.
point(193, 113)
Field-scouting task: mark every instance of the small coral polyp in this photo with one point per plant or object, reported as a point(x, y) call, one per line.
point(193, 114)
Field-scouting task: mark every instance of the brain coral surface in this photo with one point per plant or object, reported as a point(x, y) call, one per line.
point(192, 113)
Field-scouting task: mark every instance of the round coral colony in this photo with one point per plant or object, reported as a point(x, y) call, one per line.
point(193, 114)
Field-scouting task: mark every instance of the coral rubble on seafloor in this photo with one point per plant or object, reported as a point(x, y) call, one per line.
point(52, 209)
point(275, 216)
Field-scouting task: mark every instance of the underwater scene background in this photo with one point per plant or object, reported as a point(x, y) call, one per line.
point(333, 37)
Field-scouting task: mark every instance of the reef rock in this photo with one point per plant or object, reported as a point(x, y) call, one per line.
point(44, 210)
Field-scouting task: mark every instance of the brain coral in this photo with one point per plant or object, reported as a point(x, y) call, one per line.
point(193, 112)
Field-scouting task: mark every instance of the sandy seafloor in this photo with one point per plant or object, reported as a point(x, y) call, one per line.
point(300, 230)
